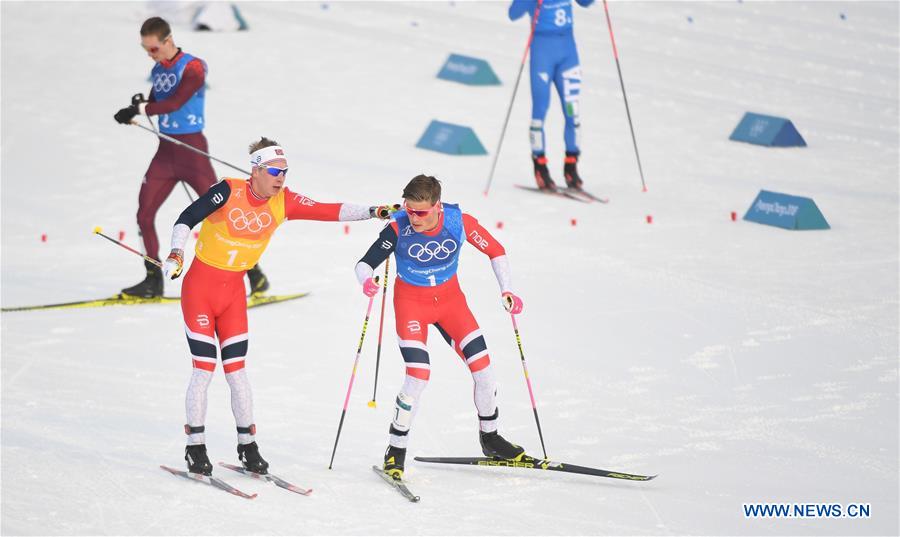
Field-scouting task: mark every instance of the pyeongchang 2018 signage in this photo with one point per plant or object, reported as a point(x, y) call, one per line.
point(468, 70)
point(786, 211)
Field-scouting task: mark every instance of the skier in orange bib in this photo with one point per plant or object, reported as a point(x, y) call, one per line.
point(239, 218)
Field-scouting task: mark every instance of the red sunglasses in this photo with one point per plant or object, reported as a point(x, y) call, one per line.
point(154, 50)
point(421, 213)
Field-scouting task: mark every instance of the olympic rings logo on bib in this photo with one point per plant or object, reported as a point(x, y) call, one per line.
point(432, 250)
point(252, 222)
point(164, 82)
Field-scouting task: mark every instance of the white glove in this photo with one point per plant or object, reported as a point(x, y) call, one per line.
point(173, 264)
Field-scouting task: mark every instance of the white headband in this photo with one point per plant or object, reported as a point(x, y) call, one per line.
point(266, 154)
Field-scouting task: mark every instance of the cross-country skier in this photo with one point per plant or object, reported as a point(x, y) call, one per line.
point(426, 239)
point(177, 98)
point(554, 60)
point(239, 218)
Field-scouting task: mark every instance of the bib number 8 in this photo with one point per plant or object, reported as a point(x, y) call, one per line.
point(560, 19)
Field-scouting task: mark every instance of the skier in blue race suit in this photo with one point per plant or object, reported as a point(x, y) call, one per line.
point(554, 60)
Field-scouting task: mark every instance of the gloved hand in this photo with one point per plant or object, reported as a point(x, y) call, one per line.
point(125, 115)
point(370, 287)
point(512, 303)
point(173, 264)
point(383, 212)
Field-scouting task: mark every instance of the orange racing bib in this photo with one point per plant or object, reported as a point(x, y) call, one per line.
point(235, 235)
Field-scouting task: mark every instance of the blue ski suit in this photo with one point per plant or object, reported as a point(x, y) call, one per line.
point(554, 58)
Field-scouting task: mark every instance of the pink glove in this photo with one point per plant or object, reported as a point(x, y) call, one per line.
point(512, 303)
point(370, 287)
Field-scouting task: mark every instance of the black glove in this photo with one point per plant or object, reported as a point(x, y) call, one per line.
point(125, 115)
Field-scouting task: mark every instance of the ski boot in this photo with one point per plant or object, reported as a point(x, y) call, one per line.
point(570, 170)
point(197, 461)
point(494, 445)
point(259, 284)
point(151, 286)
point(542, 173)
point(394, 458)
point(251, 459)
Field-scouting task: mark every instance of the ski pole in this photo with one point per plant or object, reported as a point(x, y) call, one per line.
point(99, 231)
point(362, 337)
point(512, 99)
point(155, 131)
point(192, 148)
point(624, 96)
point(528, 381)
point(380, 328)
point(188, 192)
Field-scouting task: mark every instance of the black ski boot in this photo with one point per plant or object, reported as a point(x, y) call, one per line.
point(251, 459)
point(394, 459)
point(151, 287)
point(542, 173)
point(570, 170)
point(197, 461)
point(258, 282)
point(494, 445)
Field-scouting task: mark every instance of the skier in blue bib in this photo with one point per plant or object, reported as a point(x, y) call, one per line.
point(554, 60)
point(177, 99)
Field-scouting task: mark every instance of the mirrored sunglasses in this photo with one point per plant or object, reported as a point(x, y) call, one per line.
point(421, 213)
point(275, 172)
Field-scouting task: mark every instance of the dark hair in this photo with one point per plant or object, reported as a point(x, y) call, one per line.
point(156, 26)
point(423, 188)
point(263, 142)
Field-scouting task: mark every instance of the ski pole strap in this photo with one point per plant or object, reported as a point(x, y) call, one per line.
point(247, 430)
point(189, 429)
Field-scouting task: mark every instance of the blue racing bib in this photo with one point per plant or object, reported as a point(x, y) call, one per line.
point(188, 118)
point(425, 260)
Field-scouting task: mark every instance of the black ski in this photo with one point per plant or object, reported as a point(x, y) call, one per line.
point(536, 464)
point(585, 194)
point(268, 477)
point(209, 480)
point(253, 301)
point(558, 192)
point(398, 484)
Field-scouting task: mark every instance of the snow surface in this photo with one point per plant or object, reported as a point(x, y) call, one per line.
point(740, 362)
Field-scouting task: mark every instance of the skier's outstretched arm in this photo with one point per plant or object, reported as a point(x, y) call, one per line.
point(299, 207)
